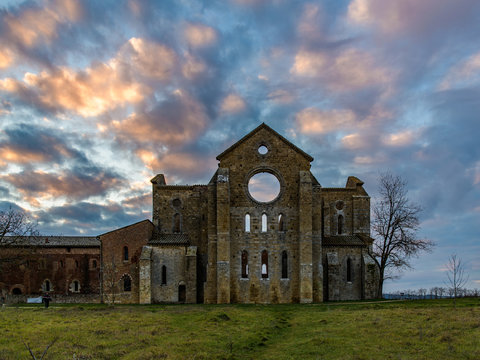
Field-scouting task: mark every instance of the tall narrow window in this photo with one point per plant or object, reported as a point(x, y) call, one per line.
point(340, 224)
point(264, 264)
point(264, 222)
point(125, 253)
point(127, 283)
point(75, 286)
point(164, 275)
point(247, 223)
point(47, 285)
point(349, 270)
point(176, 223)
point(281, 222)
point(244, 264)
point(284, 265)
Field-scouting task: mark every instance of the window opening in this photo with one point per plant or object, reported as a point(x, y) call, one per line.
point(264, 222)
point(127, 283)
point(281, 222)
point(76, 263)
point(125, 253)
point(164, 275)
point(47, 285)
point(284, 265)
point(349, 270)
point(264, 264)
point(244, 264)
point(75, 286)
point(340, 224)
point(264, 187)
point(247, 223)
point(262, 150)
point(176, 223)
point(94, 263)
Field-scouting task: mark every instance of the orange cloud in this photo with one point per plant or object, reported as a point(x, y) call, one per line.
point(177, 120)
point(199, 35)
point(147, 58)
point(6, 58)
point(102, 87)
point(281, 97)
point(351, 69)
point(355, 141)
point(399, 139)
point(316, 121)
point(9, 155)
point(33, 25)
point(176, 163)
point(37, 185)
point(232, 104)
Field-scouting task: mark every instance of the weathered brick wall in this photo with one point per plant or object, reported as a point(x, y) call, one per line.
point(60, 266)
point(134, 236)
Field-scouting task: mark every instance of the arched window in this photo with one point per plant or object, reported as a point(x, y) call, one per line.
point(264, 264)
point(264, 222)
point(17, 291)
point(340, 224)
point(46, 285)
point(164, 275)
point(281, 222)
point(125, 253)
point(76, 286)
point(244, 264)
point(349, 270)
point(247, 223)
point(127, 283)
point(176, 223)
point(284, 265)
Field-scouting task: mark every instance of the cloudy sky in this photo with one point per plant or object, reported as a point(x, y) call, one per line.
point(96, 97)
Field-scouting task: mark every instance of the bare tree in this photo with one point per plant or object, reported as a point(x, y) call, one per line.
point(15, 226)
point(395, 226)
point(456, 276)
point(110, 280)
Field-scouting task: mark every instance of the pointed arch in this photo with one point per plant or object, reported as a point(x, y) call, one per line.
point(127, 282)
point(281, 222)
point(247, 222)
point(264, 264)
point(264, 222)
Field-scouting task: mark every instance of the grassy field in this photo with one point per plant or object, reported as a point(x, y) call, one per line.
point(430, 329)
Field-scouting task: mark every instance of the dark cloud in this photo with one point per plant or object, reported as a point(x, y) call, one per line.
point(87, 218)
point(28, 144)
point(75, 184)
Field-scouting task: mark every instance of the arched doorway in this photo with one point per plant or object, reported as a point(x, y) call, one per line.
point(182, 293)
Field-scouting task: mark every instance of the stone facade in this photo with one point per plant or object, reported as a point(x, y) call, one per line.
point(307, 244)
point(291, 241)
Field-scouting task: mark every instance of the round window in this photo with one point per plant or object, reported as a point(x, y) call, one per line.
point(262, 150)
point(264, 187)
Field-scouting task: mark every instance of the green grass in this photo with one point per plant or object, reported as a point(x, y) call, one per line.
point(430, 329)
